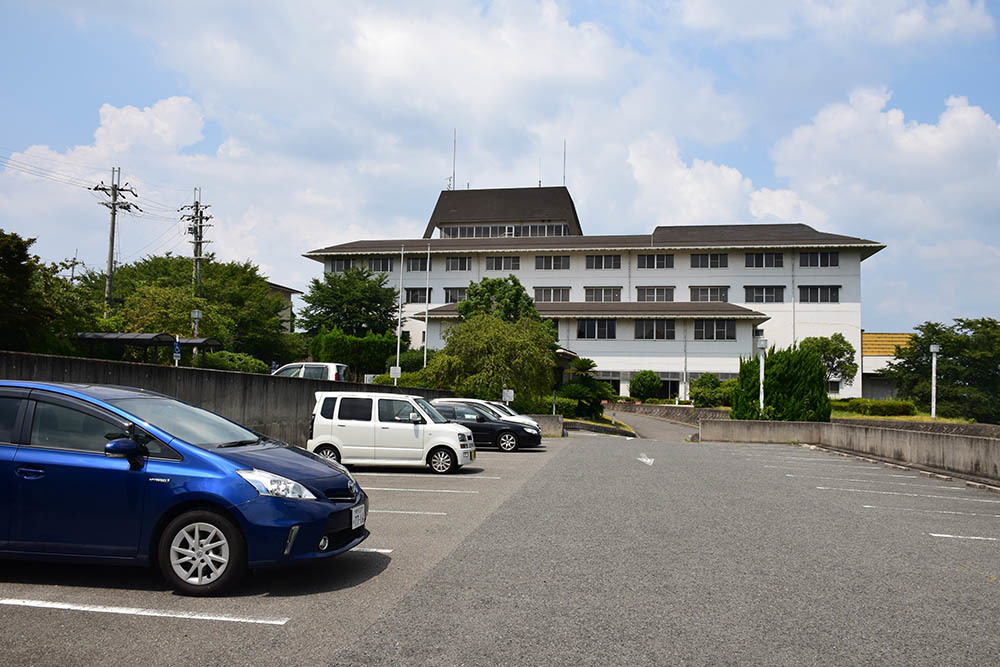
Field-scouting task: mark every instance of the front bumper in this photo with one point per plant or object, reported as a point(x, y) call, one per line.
point(280, 531)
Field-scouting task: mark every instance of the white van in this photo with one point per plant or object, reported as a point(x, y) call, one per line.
point(387, 429)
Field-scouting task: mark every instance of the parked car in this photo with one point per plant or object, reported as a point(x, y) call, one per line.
point(107, 474)
point(315, 370)
point(491, 408)
point(373, 428)
point(487, 429)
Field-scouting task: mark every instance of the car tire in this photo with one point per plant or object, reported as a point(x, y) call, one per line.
point(442, 461)
point(327, 452)
point(192, 569)
point(507, 441)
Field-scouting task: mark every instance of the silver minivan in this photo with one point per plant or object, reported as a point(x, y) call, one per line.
point(370, 428)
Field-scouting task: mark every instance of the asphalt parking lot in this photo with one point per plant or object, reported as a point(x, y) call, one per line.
point(590, 550)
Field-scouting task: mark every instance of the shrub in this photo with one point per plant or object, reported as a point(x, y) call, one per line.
point(410, 360)
point(794, 388)
point(867, 406)
point(363, 354)
point(232, 361)
point(532, 405)
point(566, 407)
point(644, 384)
point(706, 391)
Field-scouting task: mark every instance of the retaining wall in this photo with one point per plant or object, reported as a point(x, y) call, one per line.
point(685, 414)
point(279, 407)
point(971, 456)
point(551, 425)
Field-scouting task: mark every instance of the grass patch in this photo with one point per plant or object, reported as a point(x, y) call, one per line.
point(605, 421)
point(919, 417)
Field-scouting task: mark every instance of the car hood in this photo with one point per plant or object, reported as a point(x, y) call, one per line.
point(281, 459)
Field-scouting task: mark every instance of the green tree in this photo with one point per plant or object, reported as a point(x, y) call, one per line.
point(706, 391)
point(586, 389)
point(644, 385)
point(355, 301)
point(837, 355)
point(794, 387)
point(364, 354)
point(486, 354)
point(505, 298)
point(968, 381)
point(40, 309)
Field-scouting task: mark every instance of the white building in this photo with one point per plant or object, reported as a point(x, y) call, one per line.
point(679, 301)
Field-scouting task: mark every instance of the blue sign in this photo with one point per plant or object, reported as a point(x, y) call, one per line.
point(177, 349)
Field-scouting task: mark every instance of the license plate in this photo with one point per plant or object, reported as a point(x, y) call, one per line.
point(357, 516)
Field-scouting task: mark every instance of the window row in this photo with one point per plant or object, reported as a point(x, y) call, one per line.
point(717, 294)
point(501, 231)
point(656, 329)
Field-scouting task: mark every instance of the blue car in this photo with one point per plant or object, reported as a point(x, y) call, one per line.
point(106, 474)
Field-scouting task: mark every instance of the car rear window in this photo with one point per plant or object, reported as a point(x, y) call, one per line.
point(315, 372)
point(326, 410)
point(356, 409)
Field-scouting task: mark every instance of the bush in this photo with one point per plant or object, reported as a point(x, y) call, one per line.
point(532, 405)
point(410, 360)
point(644, 384)
point(566, 407)
point(794, 388)
point(867, 406)
point(363, 354)
point(231, 361)
point(706, 391)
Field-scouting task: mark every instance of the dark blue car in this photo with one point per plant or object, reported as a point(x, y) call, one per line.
point(119, 475)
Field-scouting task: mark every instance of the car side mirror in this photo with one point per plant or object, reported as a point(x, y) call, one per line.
point(126, 448)
point(480, 418)
point(416, 418)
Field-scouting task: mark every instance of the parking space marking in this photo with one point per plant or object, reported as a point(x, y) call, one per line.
point(136, 611)
point(913, 509)
point(406, 512)
point(403, 474)
point(386, 488)
point(881, 473)
point(966, 537)
point(911, 495)
point(876, 481)
point(369, 550)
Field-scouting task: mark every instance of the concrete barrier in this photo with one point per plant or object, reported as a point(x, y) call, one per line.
point(551, 425)
point(279, 407)
point(971, 456)
point(685, 414)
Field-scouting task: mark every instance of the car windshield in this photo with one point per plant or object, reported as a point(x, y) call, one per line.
point(430, 411)
point(187, 422)
point(500, 407)
point(488, 410)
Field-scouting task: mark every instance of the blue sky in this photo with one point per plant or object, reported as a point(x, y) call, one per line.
point(312, 123)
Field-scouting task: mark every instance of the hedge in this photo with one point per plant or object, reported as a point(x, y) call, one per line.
point(871, 407)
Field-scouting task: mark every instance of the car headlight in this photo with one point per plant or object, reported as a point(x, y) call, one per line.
point(269, 484)
point(532, 431)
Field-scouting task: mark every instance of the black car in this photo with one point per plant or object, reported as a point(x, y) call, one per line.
point(487, 430)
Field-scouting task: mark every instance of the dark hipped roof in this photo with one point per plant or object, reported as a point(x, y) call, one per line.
point(501, 205)
point(625, 309)
point(746, 236)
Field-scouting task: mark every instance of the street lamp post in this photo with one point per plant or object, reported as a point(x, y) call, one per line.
point(935, 348)
point(761, 351)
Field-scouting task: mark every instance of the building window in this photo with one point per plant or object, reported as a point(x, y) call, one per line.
point(655, 294)
point(709, 261)
point(454, 294)
point(656, 261)
point(819, 293)
point(549, 262)
point(595, 329)
point(341, 265)
point(550, 294)
point(602, 293)
point(604, 261)
point(758, 333)
point(417, 264)
point(765, 294)
point(819, 258)
point(380, 264)
point(759, 260)
point(503, 263)
point(458, 264)
point(833, 387)
point(654, 329)
point(710, 294)
point(497, 231)
point(715, 329)
point(417, 294)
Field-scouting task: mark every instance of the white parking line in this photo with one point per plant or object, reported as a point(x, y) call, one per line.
point(406, 512)
point(876, 481)
point(913, 509)
point(911, 495)
point(403, 474)
point(966, 537)
point(385, 488)
point(366, 550)
point(136, 611)
point(881, 473)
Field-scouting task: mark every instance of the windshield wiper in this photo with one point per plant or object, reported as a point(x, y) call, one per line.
point(239, 443)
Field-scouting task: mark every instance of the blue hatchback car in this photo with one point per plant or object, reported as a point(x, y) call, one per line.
point(109, 474)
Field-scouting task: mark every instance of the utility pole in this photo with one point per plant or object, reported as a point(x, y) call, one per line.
point(196, 228)
point(113, 191)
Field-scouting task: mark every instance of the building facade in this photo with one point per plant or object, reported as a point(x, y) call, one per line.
point(680, 301)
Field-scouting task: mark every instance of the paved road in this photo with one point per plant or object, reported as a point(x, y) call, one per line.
point(582, 553)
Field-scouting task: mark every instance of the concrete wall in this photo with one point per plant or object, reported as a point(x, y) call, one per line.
point(276, 406)
point(551, 425)
point(966, 455)
point(684, 414)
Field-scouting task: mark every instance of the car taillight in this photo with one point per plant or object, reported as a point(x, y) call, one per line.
point(312, 420)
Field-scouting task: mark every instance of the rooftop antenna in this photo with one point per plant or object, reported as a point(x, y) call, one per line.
point(564, 163)
point(454, 153)
point(539, 171)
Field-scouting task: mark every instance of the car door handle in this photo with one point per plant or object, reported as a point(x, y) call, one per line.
point(384, 428)
point(30, 473)
point(342, 425)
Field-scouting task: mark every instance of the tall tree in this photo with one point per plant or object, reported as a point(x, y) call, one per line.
point(505, 298)
point(968, 368)
point(586, 388)
point(356, 301)
point(837, 355)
